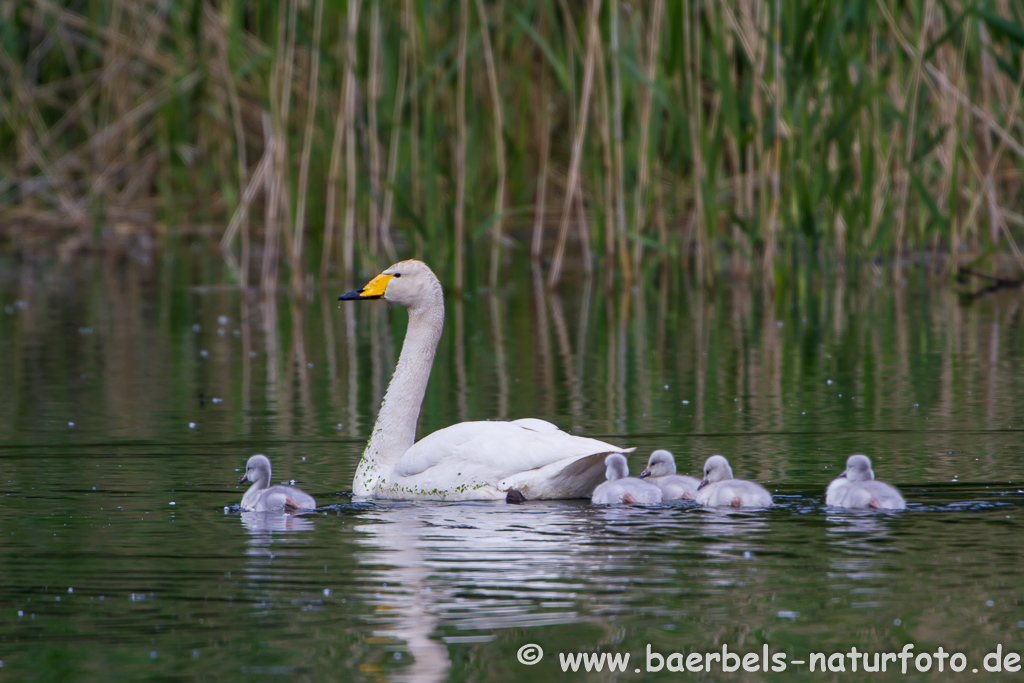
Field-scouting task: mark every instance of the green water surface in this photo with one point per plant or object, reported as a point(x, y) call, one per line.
point(123, 555)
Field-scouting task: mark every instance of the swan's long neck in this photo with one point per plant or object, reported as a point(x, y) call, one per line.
point(395, 430)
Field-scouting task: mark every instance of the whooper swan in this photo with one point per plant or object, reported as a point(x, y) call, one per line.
point(262, 497)
point(622, 489)
point(661, 468)
point(469, 460)
point(856, 488)
point(719, 489)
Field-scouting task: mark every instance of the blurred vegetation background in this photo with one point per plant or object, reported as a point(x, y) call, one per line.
point(321, 139)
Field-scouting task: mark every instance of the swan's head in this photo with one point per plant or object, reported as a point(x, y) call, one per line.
point(858, 468)
point(257, 470)
point(660, 464)
point(715, 469)
point(409, 283)
point(615, 467)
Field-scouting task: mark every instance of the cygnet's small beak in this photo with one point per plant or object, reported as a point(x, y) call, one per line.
point(702, 484)
point(243, 479)
point(843, 474)
point(645, 473)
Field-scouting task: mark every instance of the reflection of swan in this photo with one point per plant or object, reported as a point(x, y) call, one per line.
point(661, 468)
point(258, 522)
point(856, 488)
point(621, 488)
point(262, 497)
point(449, 565)
point(719, 489)
point(469, 460)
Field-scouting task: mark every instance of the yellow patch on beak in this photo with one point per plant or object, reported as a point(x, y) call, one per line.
point(377, 285)
point(374, 289)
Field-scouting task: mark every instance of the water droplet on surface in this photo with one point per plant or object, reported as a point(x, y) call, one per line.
point(829, 382)
point(71, 424)
point(896, 622)
point(172, 503)
point(327, 592)
point(223, 320)
point(204, 353)
point(686, 403)
point(191, 425)
point(990, 603)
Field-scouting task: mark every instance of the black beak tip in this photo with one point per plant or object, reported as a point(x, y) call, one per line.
point(243, 479)
point(702, 484)
point(842, 474)
point(644, 474)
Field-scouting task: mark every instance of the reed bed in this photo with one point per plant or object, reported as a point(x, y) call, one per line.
point(320, 139)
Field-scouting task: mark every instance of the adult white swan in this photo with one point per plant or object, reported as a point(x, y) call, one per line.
point(469, 460)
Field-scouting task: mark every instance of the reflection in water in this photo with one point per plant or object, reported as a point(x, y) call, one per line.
point(858, 565)
point(265, 522)
point(474, 566)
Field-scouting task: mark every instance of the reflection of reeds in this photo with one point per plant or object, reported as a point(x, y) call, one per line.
point(741, 130)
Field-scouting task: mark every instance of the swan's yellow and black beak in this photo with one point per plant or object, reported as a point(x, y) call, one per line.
point(374, 289)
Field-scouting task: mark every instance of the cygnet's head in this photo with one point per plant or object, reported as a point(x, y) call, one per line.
point(858, 468)
point(257, 470)
point(715, 469)
point(615, 467)
point(409, 283)
point(660, 464)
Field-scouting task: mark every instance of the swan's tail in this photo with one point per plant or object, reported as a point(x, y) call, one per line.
point(573, 479)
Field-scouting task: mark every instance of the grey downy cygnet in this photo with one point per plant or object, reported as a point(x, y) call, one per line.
point(661, 471)
point(719, 489)
point(262, 497)
point(856, 488)
point(621, 488)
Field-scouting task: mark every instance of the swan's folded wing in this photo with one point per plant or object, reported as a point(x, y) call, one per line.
point(492, 451)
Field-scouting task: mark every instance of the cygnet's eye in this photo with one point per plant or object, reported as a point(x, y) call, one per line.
point(398, 275)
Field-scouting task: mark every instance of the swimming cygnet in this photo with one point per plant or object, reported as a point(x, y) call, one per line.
point(719, 489)
point(262, 497)
point(856, 488)
point(622, 488)
point(661, 468)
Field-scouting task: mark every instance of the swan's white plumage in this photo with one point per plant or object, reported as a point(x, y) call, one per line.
point(469, 460)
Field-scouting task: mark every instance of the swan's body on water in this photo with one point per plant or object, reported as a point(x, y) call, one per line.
point(469, 460)
point(622, 489)
point(661, 471)
point(262, 497)
point(719, 489)
point(856, 487)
